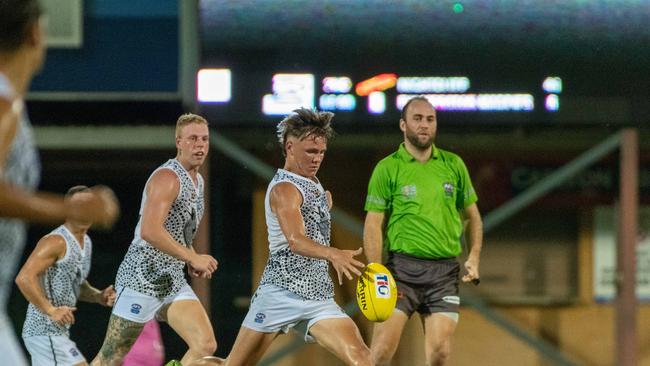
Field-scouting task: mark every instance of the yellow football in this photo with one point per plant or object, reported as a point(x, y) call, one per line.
point(376, 292)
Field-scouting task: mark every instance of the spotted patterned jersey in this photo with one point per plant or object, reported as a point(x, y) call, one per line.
point(145, 268)
point(23, 169)
point(61, 284)
point(305, 276)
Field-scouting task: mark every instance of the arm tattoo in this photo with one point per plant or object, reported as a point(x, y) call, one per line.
point(120, 336)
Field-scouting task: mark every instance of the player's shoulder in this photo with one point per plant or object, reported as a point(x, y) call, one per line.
point(164, 174)
point(286, 194)
point(163, 181)
point(53, 241)
point(285, 188)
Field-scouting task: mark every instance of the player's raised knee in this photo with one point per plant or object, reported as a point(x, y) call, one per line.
point(204, 345)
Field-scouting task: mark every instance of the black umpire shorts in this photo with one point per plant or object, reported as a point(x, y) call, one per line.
point(425, 285)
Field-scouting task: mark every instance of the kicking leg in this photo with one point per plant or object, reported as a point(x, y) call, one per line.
point(341, 337)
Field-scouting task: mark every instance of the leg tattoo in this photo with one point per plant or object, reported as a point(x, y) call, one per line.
point(120, 336)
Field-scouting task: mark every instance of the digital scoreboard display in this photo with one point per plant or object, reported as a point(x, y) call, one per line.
point(379, 95)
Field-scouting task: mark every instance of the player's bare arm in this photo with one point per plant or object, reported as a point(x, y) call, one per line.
point(285, 201)
point(48, 250)
point(196, 273)
point(88, 293)
point(162, 190)
point(8, 128)
point(102, 208)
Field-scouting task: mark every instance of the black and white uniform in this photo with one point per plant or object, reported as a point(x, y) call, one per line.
point(23, 168)
point(295, 289)
point(49, 343)
point(148, 278)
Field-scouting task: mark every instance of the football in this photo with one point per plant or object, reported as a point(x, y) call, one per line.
point(376, 292)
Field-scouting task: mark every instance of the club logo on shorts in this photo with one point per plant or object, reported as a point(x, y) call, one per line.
point(135, 308)
point(449, 189)
point(410, 191)
point(259, 318)
point(382, 288)
point(73, 351)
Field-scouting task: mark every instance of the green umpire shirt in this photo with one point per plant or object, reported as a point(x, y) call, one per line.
point(422, 202)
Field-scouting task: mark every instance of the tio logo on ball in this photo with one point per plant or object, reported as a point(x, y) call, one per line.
point(382, 288)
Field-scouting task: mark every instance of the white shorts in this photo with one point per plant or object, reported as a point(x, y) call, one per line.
point(274, 309)
point(140, 308)
point(53, 351)
point(11, 352)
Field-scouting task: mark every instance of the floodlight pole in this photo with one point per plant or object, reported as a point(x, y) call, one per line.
point(626, 303)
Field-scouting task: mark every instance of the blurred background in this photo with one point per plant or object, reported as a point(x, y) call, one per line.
point(522, 88)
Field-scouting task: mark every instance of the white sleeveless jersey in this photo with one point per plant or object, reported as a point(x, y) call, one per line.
point(146, 269)
point(305, 276)
point(61, 284)
point(23, 169)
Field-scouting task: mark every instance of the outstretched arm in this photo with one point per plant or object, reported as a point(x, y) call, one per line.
point(8, 128)
point(101, 208)
point(285, 201)
point(48, 250)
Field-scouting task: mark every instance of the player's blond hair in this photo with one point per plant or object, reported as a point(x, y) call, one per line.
point(186, 119)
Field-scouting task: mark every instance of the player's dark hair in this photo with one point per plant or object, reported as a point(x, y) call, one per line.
point(16, 19)
point(420, 98)
point(303, 123)
point(76, 189)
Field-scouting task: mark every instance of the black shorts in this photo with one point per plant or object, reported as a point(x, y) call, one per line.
point(425, 285)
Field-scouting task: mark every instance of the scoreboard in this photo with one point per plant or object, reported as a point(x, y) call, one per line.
point(379, 97)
